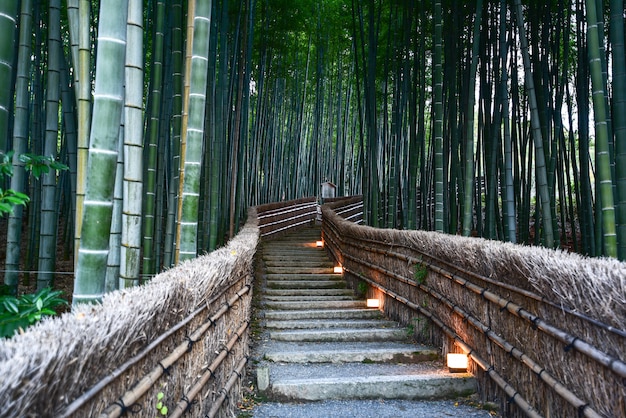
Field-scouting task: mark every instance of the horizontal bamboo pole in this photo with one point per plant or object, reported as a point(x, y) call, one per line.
point(514, 395)
point(132, 395)
point(615, 365)
point(94, 390)
point(286, 209)
point(187, 400)
point(234, 377)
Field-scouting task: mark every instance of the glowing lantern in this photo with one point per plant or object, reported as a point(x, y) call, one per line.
point(457, 363)
point(373, 303)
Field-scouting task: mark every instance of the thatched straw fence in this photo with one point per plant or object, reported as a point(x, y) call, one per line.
point(545, 330)
point(184, 335)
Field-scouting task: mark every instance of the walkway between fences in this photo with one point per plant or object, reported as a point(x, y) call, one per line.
point(321, 342)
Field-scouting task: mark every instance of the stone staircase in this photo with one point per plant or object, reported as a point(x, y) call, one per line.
point(319, 342)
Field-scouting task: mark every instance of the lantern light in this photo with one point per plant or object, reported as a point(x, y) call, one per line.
point(338, 269)
point(457, 363)
point(373, 303)
point(319, 244)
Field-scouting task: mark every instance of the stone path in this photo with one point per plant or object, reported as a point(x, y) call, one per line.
point(321, 344)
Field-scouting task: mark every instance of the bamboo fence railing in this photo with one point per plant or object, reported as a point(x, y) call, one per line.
point(183, 335)
point(541, 341)
point(182, 339)
point(280, 217)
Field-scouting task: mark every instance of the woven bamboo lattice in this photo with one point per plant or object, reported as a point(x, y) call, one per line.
point(184, 334)
point(546, 330)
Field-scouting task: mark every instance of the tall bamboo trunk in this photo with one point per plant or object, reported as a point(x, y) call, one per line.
point(604, 179)
point(49, 209)
point(103, 150)
point(188, 223)
point(20, 141)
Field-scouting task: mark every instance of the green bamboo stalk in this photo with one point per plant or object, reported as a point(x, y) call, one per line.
point(438, 115)
point(49, 209)
point(187, 248)
point(8, 19)
point(540, 162)
point(103, 150)
point(619, 118)
point(600, 110)
point(130, 259)
point(509, 196)
point(177, 110)
point(468, 198)
point(20, 141)
point(84, 114)
point(73, 20)
point(152, 139)
point(112, 275)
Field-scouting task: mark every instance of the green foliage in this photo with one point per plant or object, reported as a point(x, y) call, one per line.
point(18, 313)
point(361, 288)
point(40, 164)
point(36, 164)
point(6, 165)
point(421, 271)
point(10, 198)
point(159, 405)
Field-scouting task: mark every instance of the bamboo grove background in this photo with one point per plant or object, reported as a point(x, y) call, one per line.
point(500, 119)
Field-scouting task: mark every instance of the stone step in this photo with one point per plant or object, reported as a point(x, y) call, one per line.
point(341, 334)
point(298, 263)
point(306, 284)
point(347, 352)
point(307, 292)
point(304, 276)
point(294, 249)
point(295, 256)
point(310, 243)
point(367, 381)
point(364, 313)
point(314, 304)
point(321, 343)
point(329, 323)
point(303, 270)
point(306, 298)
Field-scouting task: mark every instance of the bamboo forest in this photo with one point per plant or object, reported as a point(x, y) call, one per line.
point(134, 134)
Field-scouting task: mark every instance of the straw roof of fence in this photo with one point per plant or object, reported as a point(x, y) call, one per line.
point(57, 360)
point(593, 286)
